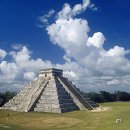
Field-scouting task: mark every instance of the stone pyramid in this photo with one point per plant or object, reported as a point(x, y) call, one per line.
point(50, 92)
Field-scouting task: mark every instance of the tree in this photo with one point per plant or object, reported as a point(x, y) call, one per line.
point(6, 96)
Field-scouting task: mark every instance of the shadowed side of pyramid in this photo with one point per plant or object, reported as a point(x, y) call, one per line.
point(50, 92)
point(55, 99)
point(77, 97)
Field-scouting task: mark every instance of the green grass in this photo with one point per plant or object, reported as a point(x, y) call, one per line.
point(79, 120)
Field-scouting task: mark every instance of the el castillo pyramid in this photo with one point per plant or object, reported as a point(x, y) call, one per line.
point(50, 92)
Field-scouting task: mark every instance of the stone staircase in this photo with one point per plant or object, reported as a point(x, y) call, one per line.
point(24, 100)
point(77, 97)
point(14, 104)
point(55, 99)
point(50, 92)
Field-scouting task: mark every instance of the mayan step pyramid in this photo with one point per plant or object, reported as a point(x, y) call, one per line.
point(50, 92)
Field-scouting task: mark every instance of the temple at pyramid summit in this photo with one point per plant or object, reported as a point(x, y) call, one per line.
point(50, 92)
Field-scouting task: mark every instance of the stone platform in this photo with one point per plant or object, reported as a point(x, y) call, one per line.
point(50, 92)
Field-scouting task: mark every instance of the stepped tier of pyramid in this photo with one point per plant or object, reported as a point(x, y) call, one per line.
point(50, 92)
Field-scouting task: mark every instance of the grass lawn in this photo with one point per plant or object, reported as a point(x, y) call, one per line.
point(78, 120)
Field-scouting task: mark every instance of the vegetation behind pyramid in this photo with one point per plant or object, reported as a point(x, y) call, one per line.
point(50, 92)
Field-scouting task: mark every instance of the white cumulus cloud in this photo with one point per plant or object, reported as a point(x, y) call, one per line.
point(87, 62)
point(82, 51)
point(70, 74)
point(20, 69)
point(2, 53)
point(113, 82)
point(117, 51)
point(44, 18)
point(29, 76)
point(68, 12)
point(96, 40)
point(17, 46)
point(70, 35)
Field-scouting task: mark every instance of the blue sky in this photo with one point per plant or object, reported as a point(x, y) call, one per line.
point(19, 25)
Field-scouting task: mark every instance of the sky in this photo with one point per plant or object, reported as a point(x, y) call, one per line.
point(88, 39)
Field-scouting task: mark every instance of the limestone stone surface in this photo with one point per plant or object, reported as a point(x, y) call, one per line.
point(50, 92)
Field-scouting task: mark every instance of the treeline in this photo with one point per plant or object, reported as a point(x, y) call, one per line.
point(100, 97)
point(104, 96)
point(5, 97)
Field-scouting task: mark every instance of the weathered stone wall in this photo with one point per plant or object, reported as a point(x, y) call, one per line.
point(50, 92)
point(55, 99)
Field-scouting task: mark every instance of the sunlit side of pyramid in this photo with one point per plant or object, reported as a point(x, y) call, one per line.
point(50, 92)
